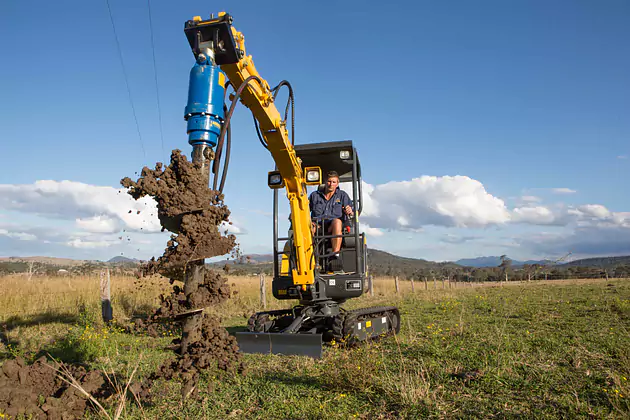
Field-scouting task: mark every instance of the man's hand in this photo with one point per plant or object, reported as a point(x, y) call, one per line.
point(348, 210)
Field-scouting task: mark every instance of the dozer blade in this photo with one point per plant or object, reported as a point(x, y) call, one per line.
point(280, 343)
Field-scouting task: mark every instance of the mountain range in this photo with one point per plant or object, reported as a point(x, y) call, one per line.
point(494, 261)
point(380, 260)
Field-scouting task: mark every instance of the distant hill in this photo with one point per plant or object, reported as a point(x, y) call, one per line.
point(247, 259)
point(494, 261)
point(65, 262)
point(603, 262)
point(383, 263)
point(120, 259)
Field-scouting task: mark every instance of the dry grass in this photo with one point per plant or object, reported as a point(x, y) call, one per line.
point(137, 297)
point(532, 349)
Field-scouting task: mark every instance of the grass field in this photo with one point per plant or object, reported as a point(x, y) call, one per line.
point(536, 350)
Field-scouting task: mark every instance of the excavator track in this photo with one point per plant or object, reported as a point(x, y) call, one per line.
point(269, 320)
point(353, 327)
point(294, 331)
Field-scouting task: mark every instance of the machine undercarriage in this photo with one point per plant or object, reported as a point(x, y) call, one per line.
point(345, 328)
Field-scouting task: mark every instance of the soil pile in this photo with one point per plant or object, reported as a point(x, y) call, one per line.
point(194, 213)
point(38, 392)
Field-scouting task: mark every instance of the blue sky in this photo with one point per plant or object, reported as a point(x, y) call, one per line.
point(512, 99)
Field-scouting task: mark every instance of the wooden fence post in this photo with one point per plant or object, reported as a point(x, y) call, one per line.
point(396, 281)
point(426, 284)
point(413, 288)
point(443, 286)
point(371, 285)
point(434, 283)
point(106, 301)
point(263, 291)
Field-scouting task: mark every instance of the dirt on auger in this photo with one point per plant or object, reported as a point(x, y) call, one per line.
point(194, 213)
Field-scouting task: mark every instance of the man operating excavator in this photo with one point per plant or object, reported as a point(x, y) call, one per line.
point(328, 208)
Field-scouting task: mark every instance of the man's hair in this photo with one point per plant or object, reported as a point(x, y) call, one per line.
point(332, 174)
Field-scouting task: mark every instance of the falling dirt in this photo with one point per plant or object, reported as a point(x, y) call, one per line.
point(36, 391)
point(186, 207)
point(195, 214)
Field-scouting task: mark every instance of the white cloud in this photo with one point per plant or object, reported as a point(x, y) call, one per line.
point(98, 224)
point(233, 229)
point(456, 201)
point(457, 239)
point(370, 231)
point(22, 236)
point(622, 157)
point(81, 243)
point(105, 220)
point(563, 191)
point(582, 242)
point(594, 211)
point(537, 215)
point(530, 199)
point(581, 216)
point(94, 208)
point(71, 200)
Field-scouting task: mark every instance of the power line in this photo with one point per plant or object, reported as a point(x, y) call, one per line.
point(157, 90)
point(122, 64)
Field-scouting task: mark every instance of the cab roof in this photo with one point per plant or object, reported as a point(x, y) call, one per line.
point(326, 156)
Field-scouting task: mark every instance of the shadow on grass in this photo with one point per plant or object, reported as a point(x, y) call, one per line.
point(65, 350)
point(38, 319)
point(43, 318)
point(234, 330)
point(142, 311)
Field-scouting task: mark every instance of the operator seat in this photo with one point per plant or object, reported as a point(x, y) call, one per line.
point(348, 245)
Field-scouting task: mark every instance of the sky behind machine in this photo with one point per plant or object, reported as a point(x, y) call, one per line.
point(536, 90)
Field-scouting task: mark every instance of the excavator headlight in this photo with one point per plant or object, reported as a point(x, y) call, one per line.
point(313, 175)
point(274, 180)
point(344, 154)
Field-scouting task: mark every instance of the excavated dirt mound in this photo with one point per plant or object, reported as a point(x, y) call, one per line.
point(38, 392)
point(194, 213)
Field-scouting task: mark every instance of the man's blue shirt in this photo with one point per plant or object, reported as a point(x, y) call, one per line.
point(328, 209)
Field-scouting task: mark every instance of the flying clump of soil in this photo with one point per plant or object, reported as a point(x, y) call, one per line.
point(195, 214)
point(186, 207)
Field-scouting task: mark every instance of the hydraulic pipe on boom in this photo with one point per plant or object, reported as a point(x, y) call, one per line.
point(220, 51)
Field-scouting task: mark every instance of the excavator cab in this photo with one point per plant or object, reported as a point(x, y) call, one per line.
point(335, 278)
point(319, 316)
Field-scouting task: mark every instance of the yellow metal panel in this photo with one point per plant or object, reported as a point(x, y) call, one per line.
point(258, 98)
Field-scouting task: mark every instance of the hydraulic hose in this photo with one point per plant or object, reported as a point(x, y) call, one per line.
point(224, 130)
point(291, 102)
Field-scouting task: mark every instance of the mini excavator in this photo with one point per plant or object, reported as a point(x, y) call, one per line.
point(302, 264)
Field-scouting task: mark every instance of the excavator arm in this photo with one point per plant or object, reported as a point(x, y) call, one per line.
point(222, 61)
point(219, 51)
